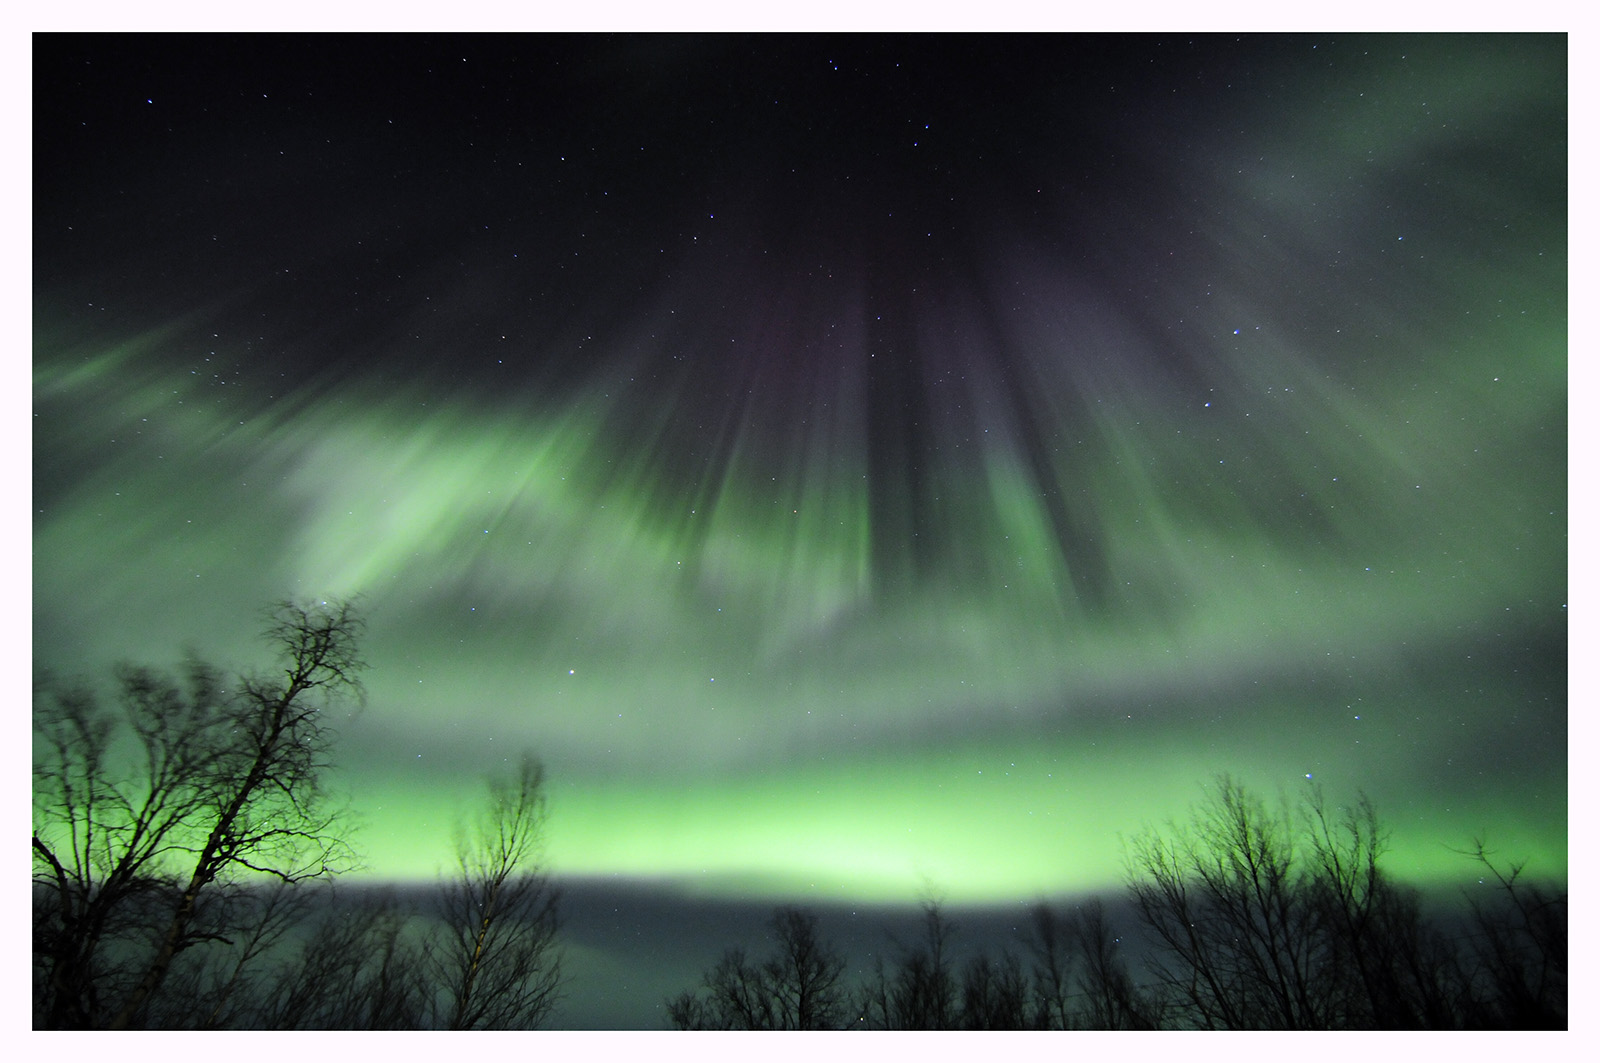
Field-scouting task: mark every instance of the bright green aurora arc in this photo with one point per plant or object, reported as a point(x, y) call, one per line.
point(853, 466)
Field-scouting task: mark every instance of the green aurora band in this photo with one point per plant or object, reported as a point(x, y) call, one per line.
point(730, 707)
point(1339, 556)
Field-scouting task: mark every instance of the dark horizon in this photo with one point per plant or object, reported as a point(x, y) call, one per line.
point(631, 946)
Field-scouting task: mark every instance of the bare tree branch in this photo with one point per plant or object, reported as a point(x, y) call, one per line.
point(185, 785)
point(495, 953)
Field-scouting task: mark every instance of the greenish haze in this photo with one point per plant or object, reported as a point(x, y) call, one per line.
point(819, 558)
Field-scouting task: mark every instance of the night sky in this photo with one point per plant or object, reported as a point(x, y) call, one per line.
point(858, 466)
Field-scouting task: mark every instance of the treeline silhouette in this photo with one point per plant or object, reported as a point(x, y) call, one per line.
point(1249, 918)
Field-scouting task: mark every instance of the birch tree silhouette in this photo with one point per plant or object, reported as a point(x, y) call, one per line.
point(494, 957)
point(183, 790)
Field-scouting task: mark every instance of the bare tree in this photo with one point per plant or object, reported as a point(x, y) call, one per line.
point(494, 956)
point(142, 812)
point(1271, 920)
point(358, 969)
point(797, 988)
point(733, 995)
point(1237, 935)
point(1390, 969)
point(995, 994)
point(690, 1011)
point(1520, 949)
point(223, 985)
point(869, 1007)
point(922, 993)
point(1350, 887)
point(1111, 1000)
point(1049, 944)
point(804, 974)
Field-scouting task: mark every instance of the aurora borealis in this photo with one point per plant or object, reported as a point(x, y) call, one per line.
point(851, 463)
